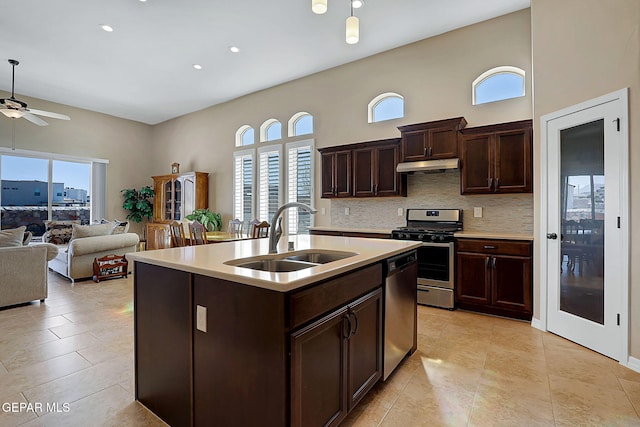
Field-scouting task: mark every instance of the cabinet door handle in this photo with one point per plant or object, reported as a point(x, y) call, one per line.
point(489, 247)
point(496, 184)
point(490, 183)
point(345, 317)
point(355, 318)
point(494, 263)
point(375, 190)
point(486, 262)
point(430, 151)
point(424, 151)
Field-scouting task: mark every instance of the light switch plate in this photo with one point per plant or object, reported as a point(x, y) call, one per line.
point(347, 211)
point(477, 212)
point(201, 318)
point(400, 212)
point(323, 211)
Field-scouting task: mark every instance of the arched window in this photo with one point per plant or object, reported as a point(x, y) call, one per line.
point(300, 124)
point(244, 136)
point(386, 106)
point(497, 84)
point(270, 130)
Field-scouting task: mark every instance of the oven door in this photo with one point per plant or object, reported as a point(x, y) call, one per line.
point(435, 265)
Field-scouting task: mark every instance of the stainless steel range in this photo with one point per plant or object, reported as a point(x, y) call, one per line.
point(435, 228)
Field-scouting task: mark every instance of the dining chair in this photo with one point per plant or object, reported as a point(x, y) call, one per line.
point(259, 230)
point(178, 238)
point(197, 233)
point(235, 226)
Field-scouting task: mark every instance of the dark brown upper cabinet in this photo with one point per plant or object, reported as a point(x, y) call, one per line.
point(366, 169)
point(431, 140)
point(497, 158)
point(336, 173)
point(374, 170)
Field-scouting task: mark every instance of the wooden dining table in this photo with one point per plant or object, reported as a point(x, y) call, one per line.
point(223, 236)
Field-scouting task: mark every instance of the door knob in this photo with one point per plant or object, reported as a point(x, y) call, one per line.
point(552, 236)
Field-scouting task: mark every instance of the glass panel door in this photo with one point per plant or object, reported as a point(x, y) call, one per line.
point(24, 194)
point(71, 191)
point(582, 220)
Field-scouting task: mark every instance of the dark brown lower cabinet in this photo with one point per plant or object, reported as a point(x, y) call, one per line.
point(495, 276)
point(258, 357)
point(335, 361)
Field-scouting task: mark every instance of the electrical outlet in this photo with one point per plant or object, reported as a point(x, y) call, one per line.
point(477, 212)
point(201, 318)
point(323, 211)
point(347, 211)
point(400, 212)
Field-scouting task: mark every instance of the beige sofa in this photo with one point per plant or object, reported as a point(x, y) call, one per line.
point(24, 273)
point(75, 260)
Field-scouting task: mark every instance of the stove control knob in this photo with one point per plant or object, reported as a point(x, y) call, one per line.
point(441, 237)
point(433, 237)
point(420, 236)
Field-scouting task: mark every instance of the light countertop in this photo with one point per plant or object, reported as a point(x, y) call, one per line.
point(353, 230)
point(492, 235)
point(208, 260)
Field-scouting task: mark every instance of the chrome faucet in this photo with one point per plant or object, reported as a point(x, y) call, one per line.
point(276, 223)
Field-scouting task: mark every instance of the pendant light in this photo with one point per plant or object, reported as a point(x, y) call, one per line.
point(319, 6)
point(352, 33)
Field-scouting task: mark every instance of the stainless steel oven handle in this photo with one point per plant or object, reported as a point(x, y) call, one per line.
point(440, 245)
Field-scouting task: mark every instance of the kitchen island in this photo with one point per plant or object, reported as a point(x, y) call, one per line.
point(219, 344)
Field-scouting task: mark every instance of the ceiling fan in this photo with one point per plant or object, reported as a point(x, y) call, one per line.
point(14, 108)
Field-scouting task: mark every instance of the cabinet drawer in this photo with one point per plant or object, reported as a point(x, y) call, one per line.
point(313, 302)
point(504, 247)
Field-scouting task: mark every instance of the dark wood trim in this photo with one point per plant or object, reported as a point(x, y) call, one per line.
point(500, 127)
point(455, 122)
point(360, 145)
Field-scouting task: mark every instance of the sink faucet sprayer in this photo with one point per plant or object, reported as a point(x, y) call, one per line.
point(276, 232)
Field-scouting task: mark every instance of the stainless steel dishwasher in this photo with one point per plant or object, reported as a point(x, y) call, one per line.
point(400, 309)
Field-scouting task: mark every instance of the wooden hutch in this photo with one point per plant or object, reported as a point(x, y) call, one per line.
point(176, 196)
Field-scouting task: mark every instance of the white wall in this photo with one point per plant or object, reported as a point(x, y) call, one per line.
point(583, 49)
point(434, 76)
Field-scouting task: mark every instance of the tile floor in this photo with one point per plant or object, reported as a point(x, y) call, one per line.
point(76, 353)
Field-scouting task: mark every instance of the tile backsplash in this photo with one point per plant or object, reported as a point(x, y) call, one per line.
point(501, 213)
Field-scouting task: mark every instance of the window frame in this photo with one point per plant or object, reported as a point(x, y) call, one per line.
point(293, 121)
point(290, 212)
point(97, 179)
point(242, 153)
point(377, 100)
point(503, 69)
point(268, 149)
point(264, 130)
point(240, 135)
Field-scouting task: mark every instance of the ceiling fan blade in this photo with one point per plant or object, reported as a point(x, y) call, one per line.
point(49, 114)
point(34, 119)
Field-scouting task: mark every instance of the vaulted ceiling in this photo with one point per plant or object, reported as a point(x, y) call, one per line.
point(143, 70)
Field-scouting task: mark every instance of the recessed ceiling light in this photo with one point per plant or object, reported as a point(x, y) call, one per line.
point(143, 0)
point(197, 66)
point(357, 4)
point(234, 49)
point(107, 28)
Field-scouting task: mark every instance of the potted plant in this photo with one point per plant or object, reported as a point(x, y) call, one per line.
point(212, 221)
point(138, 203)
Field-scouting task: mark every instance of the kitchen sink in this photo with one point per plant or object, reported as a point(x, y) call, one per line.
point(275, 265)
point(320, 257)
point(290, 261)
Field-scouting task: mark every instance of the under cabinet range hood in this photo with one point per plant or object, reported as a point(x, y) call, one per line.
point(428, 166)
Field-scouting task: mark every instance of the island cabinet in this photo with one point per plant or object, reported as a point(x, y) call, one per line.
point(214, 352)
point(497, 158)
point(495, 276)
point(335, 361)
point(431, 140)
point(364, 169)
point(336, 173)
